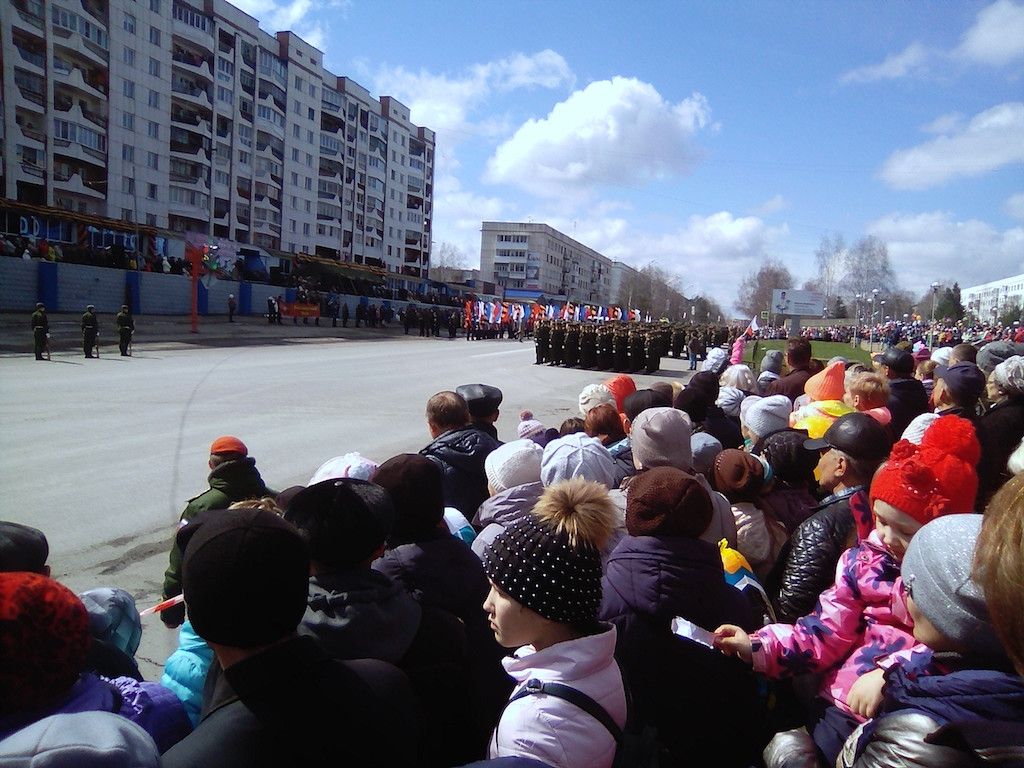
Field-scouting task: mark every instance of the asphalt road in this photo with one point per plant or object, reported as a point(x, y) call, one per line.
point(103, 454)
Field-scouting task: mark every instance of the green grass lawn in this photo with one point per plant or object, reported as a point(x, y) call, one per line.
point(822, 350)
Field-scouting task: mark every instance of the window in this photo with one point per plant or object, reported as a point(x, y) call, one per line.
point(245, 135)
point(305, 229)
point(154, 99)
point(295, 155)
point(128, 121)
point(222, 177)
point(128, 56)
point(128, 89)
point(129, 24)
point(193, 18)
point(309, 160)
point(154, 6)
point(128, 153)
point(189, 197)
point(153, 130)
point(126, 214)
point(309, 136)
point(153, 161)
point(297, 131)
point(154, 36)
point(309, 183)
point(225, 70)
point(296, 107)
point(128, 185)
point(225, 94)
point(312, 113)
point(154, 67)
point(299, 83)
point(151, 191)
point(244, 158)
point(151, 219)
point(295, 179)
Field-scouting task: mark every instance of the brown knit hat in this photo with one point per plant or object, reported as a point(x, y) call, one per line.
point(738, 475)
point(666, 501)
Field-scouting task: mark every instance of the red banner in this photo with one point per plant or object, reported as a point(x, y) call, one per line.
point(294, 309)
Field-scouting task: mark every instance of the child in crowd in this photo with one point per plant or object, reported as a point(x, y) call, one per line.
point(869, 392)
point(545, 576)
point(859, 624)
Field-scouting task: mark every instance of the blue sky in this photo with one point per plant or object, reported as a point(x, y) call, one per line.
point(706, 136)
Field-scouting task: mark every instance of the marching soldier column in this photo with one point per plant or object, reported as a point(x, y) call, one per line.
point(623, 347)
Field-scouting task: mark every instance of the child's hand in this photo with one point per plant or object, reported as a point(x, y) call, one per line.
point(733, 641)
point(865, 695)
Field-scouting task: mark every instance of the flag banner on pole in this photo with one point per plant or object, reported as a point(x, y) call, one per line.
point(753, 327)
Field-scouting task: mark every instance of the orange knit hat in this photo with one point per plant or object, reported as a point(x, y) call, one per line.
point(229, 444)
point(829, 384)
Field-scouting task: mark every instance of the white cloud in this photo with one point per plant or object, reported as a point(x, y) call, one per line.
point(928, 246)
point(444, 101)
point(1014, 206)
point(619, 131)
point(950, 123)
point(997, 37)
point(298, 16)
point(992, 139)
point(768, 207)
point(910, 61)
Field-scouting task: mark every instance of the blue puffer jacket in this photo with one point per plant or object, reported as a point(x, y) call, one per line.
point(704, 704)
point(185, 670)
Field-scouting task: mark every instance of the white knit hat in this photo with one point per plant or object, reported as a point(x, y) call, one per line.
point(768, 415)
point(577, 455)
point(594, 395)
point(512, 464)
point(729, 400)
point(739, 376)
point(716, 359)
point(941, 355)
point(350, 465)
point(918, 426)
point(528, 426)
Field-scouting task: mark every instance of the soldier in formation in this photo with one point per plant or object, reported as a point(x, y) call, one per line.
point(41, 332)
point(90, 332)
point(125, 329)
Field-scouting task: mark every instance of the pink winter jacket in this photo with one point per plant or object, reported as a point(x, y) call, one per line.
point(737, 351)
point(860, 624)
point(550, 729)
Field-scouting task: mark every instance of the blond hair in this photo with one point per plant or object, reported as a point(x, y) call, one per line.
point(872, 388)
point(267, 504)
point(999, 566)
point(579, 508)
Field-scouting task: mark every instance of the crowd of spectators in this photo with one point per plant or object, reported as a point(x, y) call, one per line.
point(815, 564)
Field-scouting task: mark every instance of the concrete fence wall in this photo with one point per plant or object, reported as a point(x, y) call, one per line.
point(70, 287)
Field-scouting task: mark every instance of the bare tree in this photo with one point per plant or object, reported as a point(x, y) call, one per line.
point(755, 292)
point(446, 261)
point(867, 268)
point(830, 259)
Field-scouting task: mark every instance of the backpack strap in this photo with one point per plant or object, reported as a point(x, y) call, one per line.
point(574, 697)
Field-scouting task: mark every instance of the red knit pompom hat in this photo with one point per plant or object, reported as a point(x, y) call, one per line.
point(951, 449)
point(907, 483)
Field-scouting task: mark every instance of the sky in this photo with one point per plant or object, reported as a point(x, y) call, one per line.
point(705, 137)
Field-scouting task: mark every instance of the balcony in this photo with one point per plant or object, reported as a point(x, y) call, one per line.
point(30, 14)
point(32, 57)
point(73, 182)
point(193, 150)
point(33, 171)
point(31, 134)
point(73, 41)
point(74, 110)
point(80, 152)
point(191, 62)
point(192, 93)
point(83, 80)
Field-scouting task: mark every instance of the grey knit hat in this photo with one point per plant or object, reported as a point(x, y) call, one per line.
point(660, 437)
point(577, 455)
point(772, 361)
point(767, 415)
point(937, 572)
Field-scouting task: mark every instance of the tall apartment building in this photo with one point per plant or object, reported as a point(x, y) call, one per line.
point(188, 117)
point(989, 301)
point(528, 258)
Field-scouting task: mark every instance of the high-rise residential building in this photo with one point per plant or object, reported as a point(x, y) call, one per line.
point(990, 301)
point(527, 259)
point(188, 117)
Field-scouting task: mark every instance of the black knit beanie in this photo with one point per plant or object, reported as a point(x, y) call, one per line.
point(541, 569)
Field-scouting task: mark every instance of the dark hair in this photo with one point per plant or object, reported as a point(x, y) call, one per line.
point(791, 463)
point(447, 410)
point(694, 403)
point(863, 470)
point(603, 421)
point(707, 383)
point(798, 351)
point(965, 353)
point(571, 425)
point(641, 400)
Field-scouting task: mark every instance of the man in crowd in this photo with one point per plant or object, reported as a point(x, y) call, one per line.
point(460, 449)
point(233, 477)
point(483, 401)
point(798, 358)
point(281, 700)
point(907, 397)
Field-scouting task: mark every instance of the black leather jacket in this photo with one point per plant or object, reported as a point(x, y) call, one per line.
point(807, 564)
point(460, 453)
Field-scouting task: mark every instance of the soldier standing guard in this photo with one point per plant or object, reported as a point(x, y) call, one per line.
point(90, 332)
point(557, 343)
point(542, 335)
point(605, 358)
point(125, 329)
point(41, 331)
point(571, 355)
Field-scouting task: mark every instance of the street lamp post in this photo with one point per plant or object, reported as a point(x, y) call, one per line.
point(871, 322)
point(931, 335)
point(856, 314)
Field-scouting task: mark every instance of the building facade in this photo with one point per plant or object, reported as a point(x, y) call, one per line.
point(186, 116)
point(990, 300)
point(525, 258)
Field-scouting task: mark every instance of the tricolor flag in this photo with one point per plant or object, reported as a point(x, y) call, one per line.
point(753, 327)
point(549, 312)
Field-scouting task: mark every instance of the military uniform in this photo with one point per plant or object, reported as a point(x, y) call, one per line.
point(605, 358)
point(90, 332)
point(125, 329)
point(637, 356)
point(542, 335)
point(557, 343)
point(40, 331)
point(588, 347)
point(620, 349)
point(571, 355)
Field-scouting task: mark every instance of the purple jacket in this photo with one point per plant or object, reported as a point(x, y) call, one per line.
point(149, 705)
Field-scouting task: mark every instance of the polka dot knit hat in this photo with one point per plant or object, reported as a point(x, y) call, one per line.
point(550, 559)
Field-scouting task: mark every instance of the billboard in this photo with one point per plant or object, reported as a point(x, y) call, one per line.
point(798, 303)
